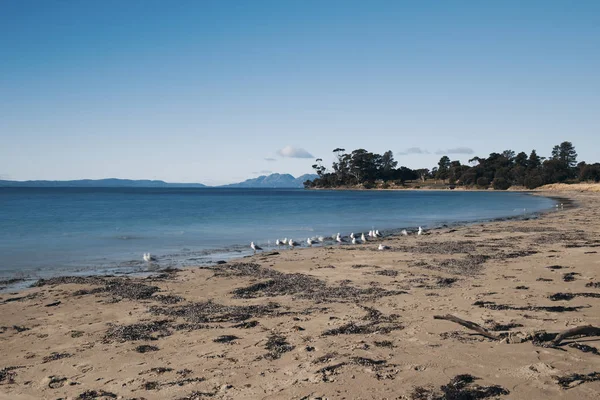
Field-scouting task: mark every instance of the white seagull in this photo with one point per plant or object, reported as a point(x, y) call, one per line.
point(278, 242)
point(309, 242)
point(338, 238)
point(382, 247)
point(352, 235)
point(321, 239)
point(353, 240)
point(255, 247)
point(377, 234)
point(404, 232)
point(149, 258)
point(420, 231)
point(362, 237)
point(292, 243)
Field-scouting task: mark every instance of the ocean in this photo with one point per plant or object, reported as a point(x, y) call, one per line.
point(47, 232)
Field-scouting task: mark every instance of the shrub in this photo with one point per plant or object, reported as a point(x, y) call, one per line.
point(500, 184)
point(483, 182)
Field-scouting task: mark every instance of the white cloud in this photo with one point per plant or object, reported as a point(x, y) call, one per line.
point(413, 150)
point(294, 152)
point(456, 150)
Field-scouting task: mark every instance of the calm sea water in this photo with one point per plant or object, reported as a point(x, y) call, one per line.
point(48, 232)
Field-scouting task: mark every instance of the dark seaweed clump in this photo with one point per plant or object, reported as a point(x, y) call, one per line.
point(569, 381)
point(141, 331)
point(277, 345)
point(570, 276)
point(8, 375)
point(56, 356)
point(595, 285)
point(461, 387)
point(95, 395)
point(145, 348)
point(570, 296)
point(225, 339)
point(208, 312)
point(493, 306)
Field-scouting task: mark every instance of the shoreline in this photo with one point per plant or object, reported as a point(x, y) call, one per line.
point(333, 322)
point(14, 284)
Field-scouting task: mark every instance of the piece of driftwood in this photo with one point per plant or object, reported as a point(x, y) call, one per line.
point(554, 339)
point(586, 330)
point(468, 324)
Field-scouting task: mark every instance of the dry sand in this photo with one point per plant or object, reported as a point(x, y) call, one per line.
point(329, 322)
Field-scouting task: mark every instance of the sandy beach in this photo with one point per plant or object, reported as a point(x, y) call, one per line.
point(336, 322)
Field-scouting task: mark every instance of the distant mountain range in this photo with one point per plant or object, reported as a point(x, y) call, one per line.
point(105, 183)
point(264, 181)
point(274, 181)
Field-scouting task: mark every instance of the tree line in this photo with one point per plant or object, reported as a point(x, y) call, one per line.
point(498, 170)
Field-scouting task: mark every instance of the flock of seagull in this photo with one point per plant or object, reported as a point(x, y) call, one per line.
point(354, 239)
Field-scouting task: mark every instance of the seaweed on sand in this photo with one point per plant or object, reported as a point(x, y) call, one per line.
point(140, 331)
point(570, 296)
point(470, 265)
point(300, 285)
point(225, 339)
point(96, 395)
point(461, 387)
point(446, 247)
point(277, 345)
point(8, 374)
point(145, 348)
point(56, 356)
point(493, 306)
point(209, 312)
point(569, 381)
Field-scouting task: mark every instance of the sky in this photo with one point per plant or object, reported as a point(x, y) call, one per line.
point(220, 91)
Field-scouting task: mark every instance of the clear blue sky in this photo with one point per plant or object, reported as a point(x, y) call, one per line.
point(211, 91)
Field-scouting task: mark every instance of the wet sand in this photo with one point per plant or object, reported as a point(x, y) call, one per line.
point(328, 322)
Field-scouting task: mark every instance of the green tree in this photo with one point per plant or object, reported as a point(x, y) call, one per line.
point(566, 153)
point(443, 167)
point(534, 161)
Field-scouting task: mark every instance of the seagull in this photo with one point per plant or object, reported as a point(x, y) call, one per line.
point(420, 231)
point(321, 238)
point(352, 235)
point(285, 241)
point(292, 243)
point(255, 247)
point(278, 242)
point(148, 257)
point(362, 237)
point(377, 234)
point(353, 240)
point(404, 232)
point(370, 233)
point(309, 242)
point(382, 247)
point(338, 238)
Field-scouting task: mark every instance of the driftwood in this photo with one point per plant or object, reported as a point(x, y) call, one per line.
point(586, 330)
point(468, 324)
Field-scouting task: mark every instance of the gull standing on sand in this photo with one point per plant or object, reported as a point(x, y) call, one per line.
point(382, 247)
point(363, 238)
point(420, 231)
point(148, 257)
point(404, 232)
point(255, 247)
point(338, 238)
point(309, 242)
point(292, 243)
point(278, 242)
point(377, 234)
point(353, 240)
point(352, 235)
point(321, 239)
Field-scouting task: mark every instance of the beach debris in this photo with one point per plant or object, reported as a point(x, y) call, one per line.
point(470, 265)
point(96, 395)
point(544, 280)
point(555, 267)
point(387, 272)
point(198, 395)
point(461, 387)
point(8, 375)
point(383, 247)
point(570, 381)
point(20, 329)
point(56, 382)
point(56, 356)
point(209, 312)
point(246, 324)
point(570, 276)
point(493, 306)
point(20, 298)
point(54, 304)
point(595, 285)
point(570, 296)
point(146, 348)
point(184, 372)
point(140, 331)
point(330, 370)
point(277, 345)
point(225, 339)
point(384, 343)
point(352, 328)
point(522, 287)
point(154, 385)
point(496, 327)
point(585, 348)
point(469, 324)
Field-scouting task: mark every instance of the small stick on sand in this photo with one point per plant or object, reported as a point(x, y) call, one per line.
point(468, 324)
